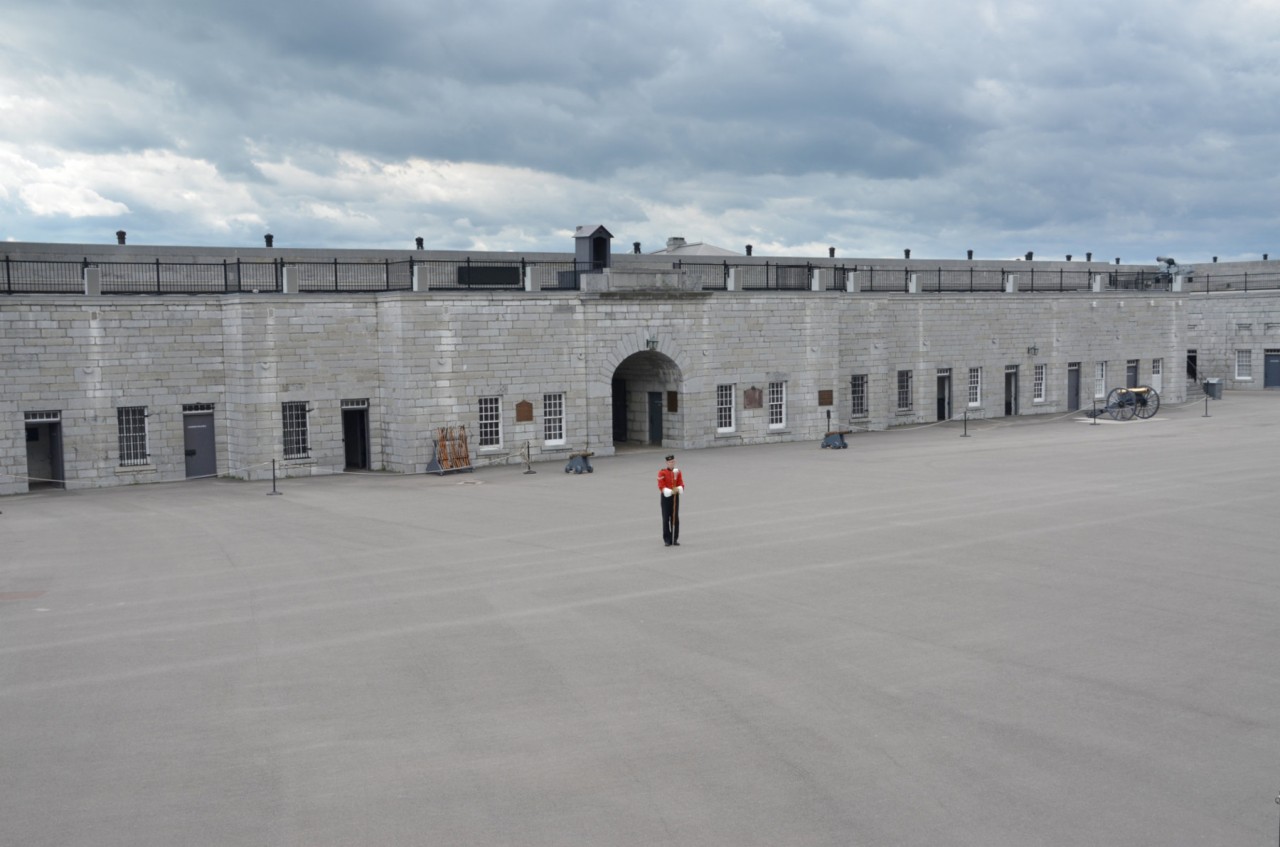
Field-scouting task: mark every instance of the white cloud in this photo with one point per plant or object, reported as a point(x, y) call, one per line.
point(49, 200)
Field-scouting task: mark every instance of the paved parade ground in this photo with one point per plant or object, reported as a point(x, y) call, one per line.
point(1046, 633)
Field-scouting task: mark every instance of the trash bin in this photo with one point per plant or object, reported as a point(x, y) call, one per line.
point(1213, 388)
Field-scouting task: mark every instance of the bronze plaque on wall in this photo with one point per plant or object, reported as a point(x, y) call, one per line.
point(524, 411)
point(753, 398)
point(824, 397)
point(672, 405)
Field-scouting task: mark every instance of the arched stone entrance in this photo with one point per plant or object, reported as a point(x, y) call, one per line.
point(646, 400)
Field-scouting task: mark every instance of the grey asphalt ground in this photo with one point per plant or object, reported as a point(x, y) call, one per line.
point(1046, 633)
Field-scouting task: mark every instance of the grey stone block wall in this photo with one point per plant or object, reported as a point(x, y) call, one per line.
point(1219, 324)
point(423, 361)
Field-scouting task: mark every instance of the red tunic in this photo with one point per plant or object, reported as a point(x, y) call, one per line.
point(669, 478)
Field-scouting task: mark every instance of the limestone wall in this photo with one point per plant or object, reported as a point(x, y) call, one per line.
point(1219, 324)
point(423, 360)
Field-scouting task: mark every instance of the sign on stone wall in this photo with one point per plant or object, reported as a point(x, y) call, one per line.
point(524, 411)
point(825, 397)
point(753, 398)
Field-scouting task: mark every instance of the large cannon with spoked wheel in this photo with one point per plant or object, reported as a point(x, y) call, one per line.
point(1124, 404)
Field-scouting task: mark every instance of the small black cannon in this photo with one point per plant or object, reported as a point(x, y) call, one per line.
point(1124, 404)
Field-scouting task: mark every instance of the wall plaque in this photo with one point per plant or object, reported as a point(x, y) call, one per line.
point(753, 398)
point(524, 411)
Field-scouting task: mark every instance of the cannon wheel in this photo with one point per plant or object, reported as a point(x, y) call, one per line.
point(1121, 405)
point(1148, 403)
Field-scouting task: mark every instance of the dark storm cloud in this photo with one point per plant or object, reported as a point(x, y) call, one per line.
point(870, 124)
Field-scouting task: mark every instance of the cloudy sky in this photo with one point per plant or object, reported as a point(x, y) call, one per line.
point(1125, 129)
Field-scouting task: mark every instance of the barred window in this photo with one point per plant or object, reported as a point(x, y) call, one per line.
point(904, 390)
point(131, 431)
point(297, 443)
point(490, 422)
point(1100, 379)
point(858, 395)
point(777, 404)
point(975, 386)
point(1244, 364)
point(1038, 385)
point(724, 408)
point(553, 418)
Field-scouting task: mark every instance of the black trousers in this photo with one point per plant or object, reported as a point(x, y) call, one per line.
point(671, 518)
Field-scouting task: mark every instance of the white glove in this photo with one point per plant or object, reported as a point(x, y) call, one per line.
point(679, 489)
point(666, 492)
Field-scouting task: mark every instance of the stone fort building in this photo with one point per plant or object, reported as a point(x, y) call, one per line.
point(122, 364)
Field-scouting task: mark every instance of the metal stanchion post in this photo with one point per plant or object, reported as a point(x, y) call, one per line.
point(1095, 412)
point(965, 434)
point(528, 469)
point(1205, 415)
point(273, 480)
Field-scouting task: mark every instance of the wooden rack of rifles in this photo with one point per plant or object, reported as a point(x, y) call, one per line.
point(451, 452)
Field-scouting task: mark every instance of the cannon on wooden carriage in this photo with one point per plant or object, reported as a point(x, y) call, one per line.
point(1126, 403)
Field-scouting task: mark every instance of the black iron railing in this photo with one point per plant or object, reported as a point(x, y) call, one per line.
point(25, 276)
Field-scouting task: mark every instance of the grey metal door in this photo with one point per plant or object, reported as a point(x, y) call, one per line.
point(1271, 374)
point(1011, 390)
point(944, 397)
point(1073, 386)
point(1131, 374)
point(655, 417)
point(198, 443)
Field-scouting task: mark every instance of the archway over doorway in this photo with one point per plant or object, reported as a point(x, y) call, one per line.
point(646, 400)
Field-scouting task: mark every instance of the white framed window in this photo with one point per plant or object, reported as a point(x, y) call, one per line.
point(858, 396)
point(1037, 385)
point(295, 430)
point(131, 434)
point(777, 405)
point(724, 408)
point(1100, 379)
point(1244, 364)
point(904, 390)
point(553, 418)
point(490, 413)
point(975, 386)
point(1157, 371)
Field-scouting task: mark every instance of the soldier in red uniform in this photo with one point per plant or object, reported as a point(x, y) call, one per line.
point(671, 484)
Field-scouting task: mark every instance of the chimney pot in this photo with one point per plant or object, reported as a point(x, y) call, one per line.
point(270, 239)
point(748, 249)
point(906, 254)
point(120, 234)
point(418, 241)
point(970, 255)
point(635, 247)
point(1088, 257)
